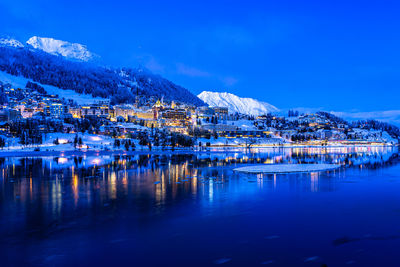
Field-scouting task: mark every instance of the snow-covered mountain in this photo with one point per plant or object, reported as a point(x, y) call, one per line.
point(63, 65)
point(72, 51)
point(7, 41)
point(234, 103)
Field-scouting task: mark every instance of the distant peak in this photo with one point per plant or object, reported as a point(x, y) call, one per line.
point(9, 41)
point(72, 51)
point(235, 103)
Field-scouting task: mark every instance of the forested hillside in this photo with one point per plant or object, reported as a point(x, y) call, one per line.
point(120, 85)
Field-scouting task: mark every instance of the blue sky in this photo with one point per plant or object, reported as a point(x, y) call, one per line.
point(336, 55)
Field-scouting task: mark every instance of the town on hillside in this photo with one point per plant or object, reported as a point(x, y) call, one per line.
point(32, 119)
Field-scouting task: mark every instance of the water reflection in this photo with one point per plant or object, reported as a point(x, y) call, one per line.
point(40, 196)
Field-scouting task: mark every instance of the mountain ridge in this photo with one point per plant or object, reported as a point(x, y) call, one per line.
point(119, 84)
point(237, 104)
point(71, 51)
point(10, 42)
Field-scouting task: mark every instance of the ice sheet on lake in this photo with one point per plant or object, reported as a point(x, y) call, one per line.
point(286, 168)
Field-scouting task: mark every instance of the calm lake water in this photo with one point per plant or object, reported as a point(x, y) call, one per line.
point(194, 210)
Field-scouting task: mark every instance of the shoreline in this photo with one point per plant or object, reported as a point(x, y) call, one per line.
point(208, 150)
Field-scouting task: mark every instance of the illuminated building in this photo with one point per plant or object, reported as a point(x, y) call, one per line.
point(56, 110)
point(221, 113)
point(174, 114)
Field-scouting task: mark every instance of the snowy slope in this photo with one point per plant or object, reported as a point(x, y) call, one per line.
point(118, 84)
point(234, 103)
point(68, 50)
point(20, 82)
point(7, 41)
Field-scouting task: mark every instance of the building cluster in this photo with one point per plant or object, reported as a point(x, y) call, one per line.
point(31, 103)
point(149, 113)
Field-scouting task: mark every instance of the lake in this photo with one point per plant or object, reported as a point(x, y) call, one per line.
point(192, 209)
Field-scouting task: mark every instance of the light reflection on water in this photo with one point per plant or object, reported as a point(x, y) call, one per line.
point(43, 197)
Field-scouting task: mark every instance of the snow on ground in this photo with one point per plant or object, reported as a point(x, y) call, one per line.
point(245, 125)
point(386, 137)
point(374, 136)
point(90, 142)
point(223, 141)
point(287, 168)
point(66, 142)
point(133, 126)
point(20, 82)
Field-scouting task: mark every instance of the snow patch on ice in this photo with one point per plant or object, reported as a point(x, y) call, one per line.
point(287, 168)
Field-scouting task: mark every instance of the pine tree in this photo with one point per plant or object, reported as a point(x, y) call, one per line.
point(75, 140)
point(117, 143)
point(126, 146)
point(215, 134)
point(2, 142)
point(156, 141)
